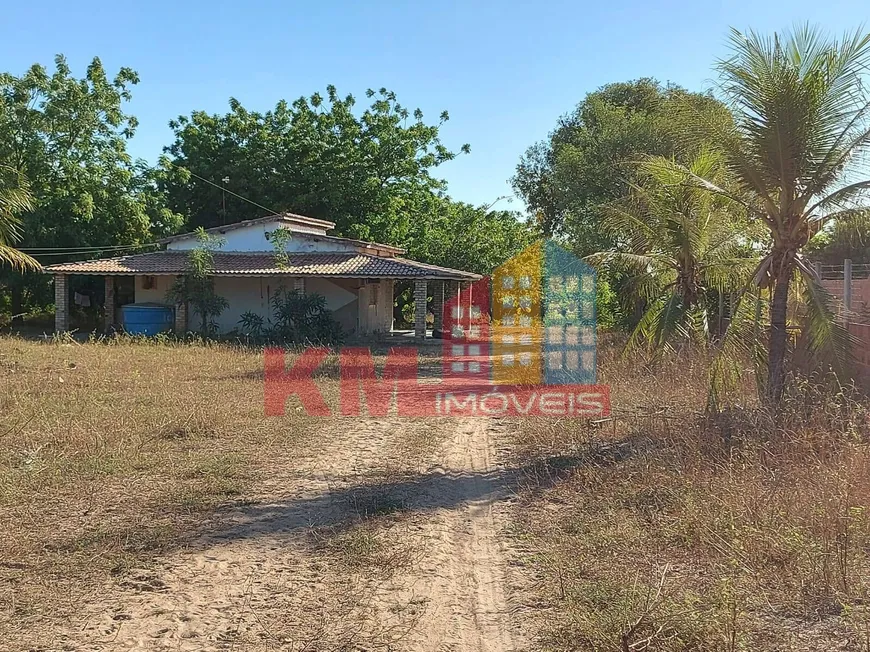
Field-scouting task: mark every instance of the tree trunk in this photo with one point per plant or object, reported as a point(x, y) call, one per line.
point(778, 332)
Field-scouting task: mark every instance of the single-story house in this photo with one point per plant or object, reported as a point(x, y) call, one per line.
point(355, 277)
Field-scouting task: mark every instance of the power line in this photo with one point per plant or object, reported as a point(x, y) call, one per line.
point(67, 253)
point(87, 248)
point(71, 251)
point(225, 189)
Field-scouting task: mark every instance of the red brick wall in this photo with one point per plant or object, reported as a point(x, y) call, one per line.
point(860, 292)
point(861, 350)
point(861, 331)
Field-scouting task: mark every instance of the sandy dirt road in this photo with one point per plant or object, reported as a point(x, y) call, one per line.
point(464, 574)
point(258, 580)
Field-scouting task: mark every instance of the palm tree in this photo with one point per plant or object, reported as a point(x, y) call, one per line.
point(679, 245)
point(15, 199)
point(801, 124)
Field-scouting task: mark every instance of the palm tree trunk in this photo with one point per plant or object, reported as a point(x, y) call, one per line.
point(778, 331)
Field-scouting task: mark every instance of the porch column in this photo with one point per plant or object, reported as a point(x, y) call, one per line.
point(420, 309)
point(390, 299)
point(299, 285)
point(181, 318)
point(466, 287)
point(61, 303)
point(109, 304)
point(451, 291)
point(438, 307)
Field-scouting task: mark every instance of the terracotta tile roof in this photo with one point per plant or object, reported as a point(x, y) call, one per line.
point(262, 264)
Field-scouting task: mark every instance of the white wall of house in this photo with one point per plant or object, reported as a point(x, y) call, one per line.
point(152, 289)
point(245, 294)
point(376, 307)
point(253, 238)
point(360, 307)
point(350, 300)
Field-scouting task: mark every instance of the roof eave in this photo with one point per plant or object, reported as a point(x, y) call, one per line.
point(404, 277)
point(289, 218)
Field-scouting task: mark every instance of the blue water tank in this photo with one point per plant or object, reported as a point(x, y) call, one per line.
point(147, 318)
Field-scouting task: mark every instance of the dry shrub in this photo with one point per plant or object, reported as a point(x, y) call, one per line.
point(667, 529)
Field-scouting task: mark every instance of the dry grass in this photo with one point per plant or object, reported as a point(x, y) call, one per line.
point(115, 453)
point(673, 532)
point(660, 531)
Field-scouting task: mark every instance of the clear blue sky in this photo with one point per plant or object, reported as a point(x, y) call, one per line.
point(504, 70)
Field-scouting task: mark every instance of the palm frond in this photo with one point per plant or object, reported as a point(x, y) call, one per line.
point(626, 261)
point(726, 274)
point(18, 260)
point(858, 218)
point(840, 198)
point(801, 112)
point(15, 198)
point(663, 320)
point(743, 345)
point(701, 128)
point(659, 166)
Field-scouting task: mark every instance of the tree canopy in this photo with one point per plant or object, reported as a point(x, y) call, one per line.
point(795, 148)
point(369, 172)
point(372, 172)
point(587, 161)
point(15, 199)
point(462, 236)
point(68, 137)
point(678, 248)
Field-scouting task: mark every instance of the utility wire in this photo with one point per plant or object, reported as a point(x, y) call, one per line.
point(86, 248)
point(224, 188)
point(71, 251)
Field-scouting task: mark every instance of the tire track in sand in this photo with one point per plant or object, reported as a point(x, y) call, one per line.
point(463, 577)
point(245, 586)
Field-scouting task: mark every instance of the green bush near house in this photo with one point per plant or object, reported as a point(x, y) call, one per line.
point(300, 318)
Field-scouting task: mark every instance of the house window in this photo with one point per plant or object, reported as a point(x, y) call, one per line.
point(148, 282)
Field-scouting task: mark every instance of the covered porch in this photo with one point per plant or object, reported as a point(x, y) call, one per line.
point(359, 289)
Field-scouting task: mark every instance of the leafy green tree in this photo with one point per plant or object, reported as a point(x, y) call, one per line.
point(678, 247)
point(67, 136)
point(196, 287)
point(459, 235)
point(802, 125)
point(369, 172)
point(14, 200)
point(587, 161)
point(840, 240)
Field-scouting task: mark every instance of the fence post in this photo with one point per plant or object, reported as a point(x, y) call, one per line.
point(818, 267)
point(847, 283)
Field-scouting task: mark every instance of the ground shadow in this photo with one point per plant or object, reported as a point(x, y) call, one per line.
point(366, 496)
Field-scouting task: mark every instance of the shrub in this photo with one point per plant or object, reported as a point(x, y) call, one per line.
point(196, 287)
point(299, 318)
